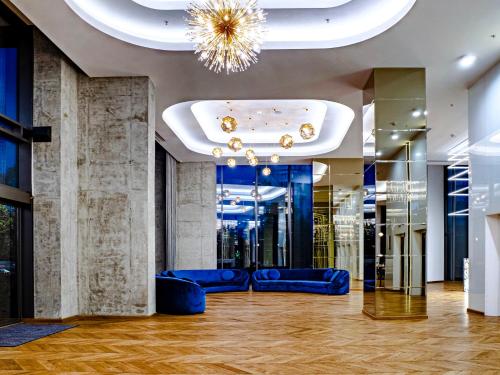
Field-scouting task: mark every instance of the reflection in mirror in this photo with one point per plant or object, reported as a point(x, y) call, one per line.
point(396, 212)
point(338, 205)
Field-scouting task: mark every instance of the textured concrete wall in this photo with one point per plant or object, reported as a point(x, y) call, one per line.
point(196, 216)
point(116, 196)
point(54, 183)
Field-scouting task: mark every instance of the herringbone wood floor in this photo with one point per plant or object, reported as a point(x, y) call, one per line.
point(272, 333)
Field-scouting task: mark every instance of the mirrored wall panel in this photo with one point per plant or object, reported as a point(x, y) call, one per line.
point(264, 219)
point(396, 172)
point(338, 212)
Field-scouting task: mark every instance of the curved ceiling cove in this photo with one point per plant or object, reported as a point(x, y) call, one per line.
point(291, 24)
point(261, 123)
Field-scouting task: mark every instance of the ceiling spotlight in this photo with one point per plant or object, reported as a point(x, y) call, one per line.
point(275, 158)
point(378, 153)
point(416, 113)
point(226, 193)
point(426, 113)
point(217, 152)
point(466, 61)
point(266, 171)
point(253, 161)
point(231, 162)
point(235, 144)
point(229, 124)
point(307, 131)
point(394, 136)
point(250, 154)
point(286, 141)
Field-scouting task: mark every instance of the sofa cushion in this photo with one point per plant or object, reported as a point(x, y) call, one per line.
point(335, 274)
point(264, 274)
point(227, 275)
point(327, 276)
point(273, 274)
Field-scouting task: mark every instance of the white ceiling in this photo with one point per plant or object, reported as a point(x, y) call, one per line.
point(434, 34)
point(341, 24)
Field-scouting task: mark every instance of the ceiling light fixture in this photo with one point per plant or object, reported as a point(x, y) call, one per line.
point(466, 61)
point(227, 33)
point(217, 152)
point(394, 136)
point(266, 171)
point(253, 161)
point(229, 124)
point(307, 131)
point(231, 162)
point(286, 141)
point(275, 158)
point(235, 144)
point(416, 113)
point(249, 154)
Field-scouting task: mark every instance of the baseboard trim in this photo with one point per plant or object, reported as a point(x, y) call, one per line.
point(396, 317)
point(472, 311)
point(75, 318)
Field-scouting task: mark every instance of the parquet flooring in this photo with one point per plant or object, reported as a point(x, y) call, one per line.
point(272, 333)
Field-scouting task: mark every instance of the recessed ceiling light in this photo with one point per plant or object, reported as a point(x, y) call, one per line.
point(416, 113)
point(394, 136)
point(378, 153)
point(466, 61)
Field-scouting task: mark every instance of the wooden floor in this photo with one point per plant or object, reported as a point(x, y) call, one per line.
point(272, 333)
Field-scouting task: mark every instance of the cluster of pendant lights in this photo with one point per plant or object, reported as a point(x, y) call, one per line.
point(229, 125)
point(237, 200)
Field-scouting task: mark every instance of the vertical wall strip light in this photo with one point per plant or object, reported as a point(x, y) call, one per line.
point(459, 158)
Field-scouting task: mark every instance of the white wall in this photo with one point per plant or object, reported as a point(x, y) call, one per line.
point(484, 200)
point(435, 223)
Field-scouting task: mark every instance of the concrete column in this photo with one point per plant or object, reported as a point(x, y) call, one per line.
point(55, 181)
point(116, 218)
point(196, 216)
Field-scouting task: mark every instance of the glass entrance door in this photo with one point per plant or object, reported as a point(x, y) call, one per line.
point(9, 249)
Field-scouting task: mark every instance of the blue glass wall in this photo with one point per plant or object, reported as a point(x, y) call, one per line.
point(271, 225)
point(8, 83)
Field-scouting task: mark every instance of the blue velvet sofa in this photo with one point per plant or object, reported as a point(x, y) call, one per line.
point(322, 281)
point(213, 281)
point(178, 296)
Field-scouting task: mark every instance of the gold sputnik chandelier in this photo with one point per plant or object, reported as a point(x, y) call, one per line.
point(227, 33)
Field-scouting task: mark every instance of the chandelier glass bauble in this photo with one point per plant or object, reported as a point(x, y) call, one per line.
point(286, 141)
point(250, 154)
point(217, 152)
point(229, 124)
point(235, 144)
point(275, 158)
point(227, 33)
point(307, 131)
point(231, 162)
point(253, 161)
point(266, 171)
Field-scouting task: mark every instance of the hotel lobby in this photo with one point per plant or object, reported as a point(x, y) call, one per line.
point(249, 186)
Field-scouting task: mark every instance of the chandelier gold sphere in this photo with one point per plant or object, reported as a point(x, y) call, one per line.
point(250, 154)
point(235, 144)
point(231, 162)
point(227, 33)
point(275, 158)
point(229, 124)
point(266, 171)
point(253, 161)
point(217, 152)
point(286, 141)
point(307, 131)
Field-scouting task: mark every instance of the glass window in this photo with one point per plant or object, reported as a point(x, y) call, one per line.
point(8, 162)
point(8, 264)
point(8, 83)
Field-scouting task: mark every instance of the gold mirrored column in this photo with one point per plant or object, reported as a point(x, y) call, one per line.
point(397, 259)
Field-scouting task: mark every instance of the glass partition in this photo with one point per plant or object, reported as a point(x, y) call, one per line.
point(264, 221)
